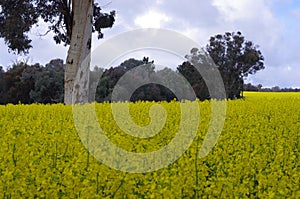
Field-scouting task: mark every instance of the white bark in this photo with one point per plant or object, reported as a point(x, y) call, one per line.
point(78, 60)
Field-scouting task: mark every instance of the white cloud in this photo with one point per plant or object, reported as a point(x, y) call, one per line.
point(152, 19)
point(253, 17)
point(235, 10)
point(159, 2)
point(199, 35)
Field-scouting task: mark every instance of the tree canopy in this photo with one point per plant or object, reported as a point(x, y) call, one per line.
point(236, 58)
point(18, 17)
point(150, 92)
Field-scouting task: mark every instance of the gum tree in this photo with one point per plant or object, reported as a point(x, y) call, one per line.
point(236, 58)
point(71, 21)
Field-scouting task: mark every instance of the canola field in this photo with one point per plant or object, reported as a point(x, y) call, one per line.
point(256, 155)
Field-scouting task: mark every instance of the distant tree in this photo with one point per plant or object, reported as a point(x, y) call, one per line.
point(132, 63)
point(149, 92)
point(48, 83)
point(201, 72)
point(107, 82)
point(266, 90)
point(250, 87)
point(289, 89)
point(259, 87)
point(72, 22)
point(17, 91)
point(195, 79)
point(236, 58)
point(29, 76)
point(111, 76)
point(276, 89)
point(166, 94)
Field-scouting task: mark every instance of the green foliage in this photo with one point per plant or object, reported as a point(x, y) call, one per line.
point(195, 79)
point(26, 84)
point(17, 91)
point(18, 17)
point(49, 83)
point(150, 92)
point(236, 59)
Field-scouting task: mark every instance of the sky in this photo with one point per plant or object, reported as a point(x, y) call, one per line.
point(271, 24)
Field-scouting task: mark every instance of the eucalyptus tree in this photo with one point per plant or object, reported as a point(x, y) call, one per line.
point(236, 58)
point(71, 21)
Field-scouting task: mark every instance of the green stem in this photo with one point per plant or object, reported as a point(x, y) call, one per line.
point(196, 169)
point(88, 149)
point(97, 183)
point(13, 155)
point(122, 181)
point(54, 156)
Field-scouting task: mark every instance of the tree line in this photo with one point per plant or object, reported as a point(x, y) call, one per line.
point(234, 57)
point(260, 88)
point(26, 84)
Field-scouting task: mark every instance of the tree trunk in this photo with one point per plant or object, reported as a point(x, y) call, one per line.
point(78, 60)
